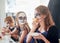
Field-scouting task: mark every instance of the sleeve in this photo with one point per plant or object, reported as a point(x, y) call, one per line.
point(53, 35)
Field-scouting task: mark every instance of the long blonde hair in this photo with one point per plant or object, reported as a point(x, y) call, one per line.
point(45, 11)
point(18, 13)
point(27, 26)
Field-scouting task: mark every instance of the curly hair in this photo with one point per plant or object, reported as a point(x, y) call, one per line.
point(9, 19)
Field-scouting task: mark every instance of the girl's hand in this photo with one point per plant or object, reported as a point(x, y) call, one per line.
point(35, 23)
point(40, 36)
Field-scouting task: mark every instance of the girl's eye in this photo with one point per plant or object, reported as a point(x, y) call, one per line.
point(20, 17)
point(24, 18)
point(36, 15)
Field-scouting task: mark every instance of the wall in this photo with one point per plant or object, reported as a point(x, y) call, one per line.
point(2, 12)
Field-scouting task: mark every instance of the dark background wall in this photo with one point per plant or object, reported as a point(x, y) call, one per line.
point(54, 6)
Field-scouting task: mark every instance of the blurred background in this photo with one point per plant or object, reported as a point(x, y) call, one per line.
point(11, 7)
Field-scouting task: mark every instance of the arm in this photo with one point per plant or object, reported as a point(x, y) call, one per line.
point(14, 31)
point(29, 37)
point(5, 30)
point(24, 33)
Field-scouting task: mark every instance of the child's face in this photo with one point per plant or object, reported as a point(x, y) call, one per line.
point(7, 23)
point(22, 18)
point(39, 16)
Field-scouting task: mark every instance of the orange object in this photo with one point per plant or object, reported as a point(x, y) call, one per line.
point(35, 20)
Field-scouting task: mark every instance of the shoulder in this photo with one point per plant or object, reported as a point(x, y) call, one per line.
point(53, 34)
point(53, 28)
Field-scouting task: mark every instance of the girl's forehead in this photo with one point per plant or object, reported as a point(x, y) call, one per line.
point(36, 12)
point(21, 15)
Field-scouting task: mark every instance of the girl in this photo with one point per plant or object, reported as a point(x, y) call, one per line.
point(21, 21)
point(44, 29)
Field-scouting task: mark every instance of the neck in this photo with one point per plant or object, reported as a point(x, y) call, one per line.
point(12, 25)
point(42, 25)
point(21, 25)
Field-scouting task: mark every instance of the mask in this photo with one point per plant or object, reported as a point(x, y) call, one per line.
point(22, 21)
point(22, 18)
